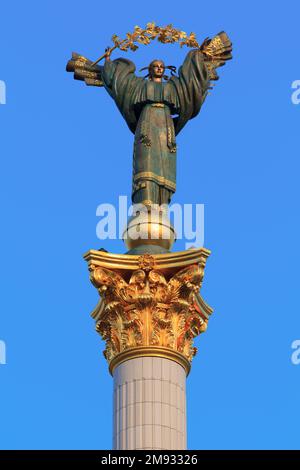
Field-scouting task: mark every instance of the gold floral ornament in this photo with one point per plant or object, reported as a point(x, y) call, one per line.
point(166, 35)
point(149, 309)
point(146, 262)
point(216, 51)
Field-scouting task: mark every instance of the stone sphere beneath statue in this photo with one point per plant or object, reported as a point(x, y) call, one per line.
point(149, 227)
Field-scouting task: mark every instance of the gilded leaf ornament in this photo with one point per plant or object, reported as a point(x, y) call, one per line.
point(148, 309)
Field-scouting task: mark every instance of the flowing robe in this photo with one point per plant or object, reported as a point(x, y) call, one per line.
point(156, 112)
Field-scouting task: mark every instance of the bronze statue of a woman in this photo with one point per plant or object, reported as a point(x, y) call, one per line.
point(155, 109)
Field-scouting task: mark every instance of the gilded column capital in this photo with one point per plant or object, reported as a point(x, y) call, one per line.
point(152, 309)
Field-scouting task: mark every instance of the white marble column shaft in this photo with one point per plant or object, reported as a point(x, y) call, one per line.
point(149, 404)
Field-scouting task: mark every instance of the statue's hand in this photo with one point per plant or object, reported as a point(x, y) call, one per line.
point(205, 43)
point(203, 47)
point(107, 53)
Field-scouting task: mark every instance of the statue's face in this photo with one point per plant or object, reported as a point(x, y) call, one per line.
point(157, 69)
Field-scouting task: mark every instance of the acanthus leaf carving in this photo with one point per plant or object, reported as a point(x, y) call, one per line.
point(149, 309)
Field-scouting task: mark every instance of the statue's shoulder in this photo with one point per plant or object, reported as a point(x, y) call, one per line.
point(125, 63)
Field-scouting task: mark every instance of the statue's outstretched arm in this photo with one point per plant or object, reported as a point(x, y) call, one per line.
point(92, 75)
point(84, 70)
point(216, 52)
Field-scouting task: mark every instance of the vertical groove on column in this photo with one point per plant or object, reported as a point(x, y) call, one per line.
point(149, 404)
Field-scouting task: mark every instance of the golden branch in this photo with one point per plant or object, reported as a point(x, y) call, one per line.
point(165, 35)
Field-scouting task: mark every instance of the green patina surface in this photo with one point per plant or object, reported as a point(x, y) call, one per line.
point(156, 112)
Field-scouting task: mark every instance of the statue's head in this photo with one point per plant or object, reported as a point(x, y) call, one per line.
point(156, 69)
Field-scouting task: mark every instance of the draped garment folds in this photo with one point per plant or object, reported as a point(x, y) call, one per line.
point(156, 112)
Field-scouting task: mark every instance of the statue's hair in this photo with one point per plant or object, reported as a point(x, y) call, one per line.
point(166, 67)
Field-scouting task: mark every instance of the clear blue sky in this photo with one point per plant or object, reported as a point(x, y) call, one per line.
point(65, 149)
